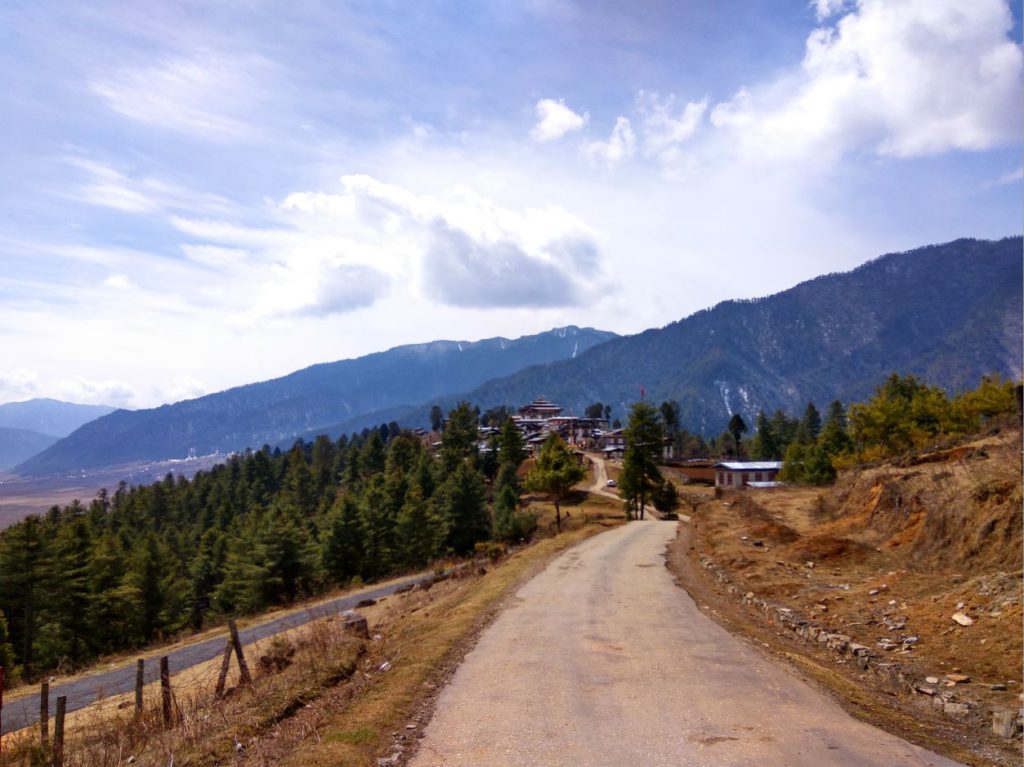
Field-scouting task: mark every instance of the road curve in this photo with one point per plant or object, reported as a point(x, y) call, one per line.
point(602, 660)
point(24, 711)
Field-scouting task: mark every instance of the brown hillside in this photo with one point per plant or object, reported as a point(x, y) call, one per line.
point(956, 508)
point(887, 557)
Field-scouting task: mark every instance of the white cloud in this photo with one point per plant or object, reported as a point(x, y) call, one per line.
point(620, 145)
point(661, 129)
point(555, 119)
point(206, 95)
point(22, 384)
point(1013, 177)
point(827, 8)
point(216, 257)
point(466, 250)
point(903, 79)
point(110, 188)
point(119, 282)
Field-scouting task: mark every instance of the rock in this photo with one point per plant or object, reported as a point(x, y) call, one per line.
point(1002, 723)
point(911, 640)
point(997, 687)
point(366, 603)
point(931, 679)
point(959, 605)
point(389, 761)
point(873, 592)
point(924, 690)
point(955, 709)
point(385, 666)
point(821, 607)
point(809, 564)
point(958, 678)
point(962, 619)
point(354, 623)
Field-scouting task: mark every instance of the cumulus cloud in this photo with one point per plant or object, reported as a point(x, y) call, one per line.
point(346, 287)
point(555, 119)
point(620, 145)
point(464, 272)
point(902, 79)
point(466, 250)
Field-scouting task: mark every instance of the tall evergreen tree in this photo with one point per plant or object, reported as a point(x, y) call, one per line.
point(737, 428)
point(640, 473)
point(462, 504)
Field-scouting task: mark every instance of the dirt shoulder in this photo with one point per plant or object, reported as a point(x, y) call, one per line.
point(856, 587)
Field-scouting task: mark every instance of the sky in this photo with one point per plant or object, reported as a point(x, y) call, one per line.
point(201, 195)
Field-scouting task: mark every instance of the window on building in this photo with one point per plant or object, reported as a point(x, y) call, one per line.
point(757, 476)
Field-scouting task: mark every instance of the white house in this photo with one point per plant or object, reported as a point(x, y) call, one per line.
point(735, 474)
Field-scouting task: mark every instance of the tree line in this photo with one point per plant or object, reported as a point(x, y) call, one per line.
point(262, 529)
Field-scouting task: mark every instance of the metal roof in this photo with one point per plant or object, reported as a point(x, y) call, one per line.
point(750, 465)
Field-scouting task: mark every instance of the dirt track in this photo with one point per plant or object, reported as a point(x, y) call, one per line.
point(602, 660)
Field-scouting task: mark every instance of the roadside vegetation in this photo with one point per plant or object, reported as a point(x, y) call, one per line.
point(266, 528)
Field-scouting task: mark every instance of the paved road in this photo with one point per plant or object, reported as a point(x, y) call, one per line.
point(22, 712)
point(600, 486)
point(602, 660)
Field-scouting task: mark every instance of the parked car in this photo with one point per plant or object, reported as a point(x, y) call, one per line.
point(612, 483)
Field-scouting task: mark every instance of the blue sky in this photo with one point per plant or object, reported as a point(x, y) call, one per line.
point(199, 195)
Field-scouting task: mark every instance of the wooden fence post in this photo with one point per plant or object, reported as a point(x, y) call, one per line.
point(225, 663)
point(58, 732)
point(165, 690)
point(44, 713)
point(140, 681)
point(243, 668)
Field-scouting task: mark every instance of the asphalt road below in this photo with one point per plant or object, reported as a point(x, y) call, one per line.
point(24, 711)
point(602, 660)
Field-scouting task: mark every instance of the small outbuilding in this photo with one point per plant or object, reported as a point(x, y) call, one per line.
point(736, 474)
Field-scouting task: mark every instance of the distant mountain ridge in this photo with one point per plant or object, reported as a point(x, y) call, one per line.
point(17, 445)
point(948, 313)
point(281, 409)
point(49, 416)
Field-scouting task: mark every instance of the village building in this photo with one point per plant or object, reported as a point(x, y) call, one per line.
point(540, 410)
point(738, 474)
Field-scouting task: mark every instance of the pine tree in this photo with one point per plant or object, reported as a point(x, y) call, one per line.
point(23, 564)
point(462, 504)
point(555, 472)
point(460, 437)
point(6, 653)
point(341, 549)
point(640, 474)
point(419, 532)
point(737, 427)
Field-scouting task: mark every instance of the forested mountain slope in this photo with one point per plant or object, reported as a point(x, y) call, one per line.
point(278, 410)
point(947, 313)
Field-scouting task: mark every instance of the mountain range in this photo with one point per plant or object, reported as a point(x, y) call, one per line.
point(948, 313)
point(306, 401)
point(29, 427)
